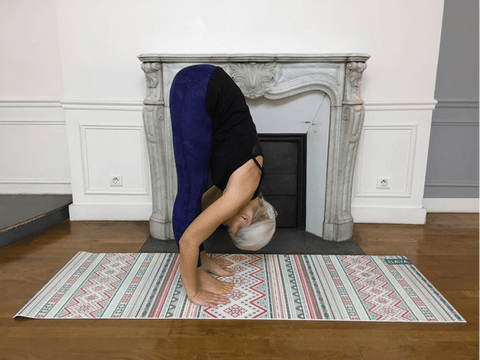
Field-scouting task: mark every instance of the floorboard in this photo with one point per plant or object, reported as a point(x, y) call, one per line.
point(445, 250)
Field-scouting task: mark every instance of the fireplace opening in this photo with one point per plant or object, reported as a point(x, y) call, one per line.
point(284, 184)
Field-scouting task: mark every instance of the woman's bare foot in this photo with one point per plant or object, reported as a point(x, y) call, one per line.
point(209, 299)
point(215, 266)
point(207, 282)
point(219, 260)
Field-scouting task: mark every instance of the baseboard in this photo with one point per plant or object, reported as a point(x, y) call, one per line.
point(389, 215)
point(448, 205)
point(113, 212)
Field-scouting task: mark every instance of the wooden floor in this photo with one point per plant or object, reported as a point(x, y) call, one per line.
point(446, 251)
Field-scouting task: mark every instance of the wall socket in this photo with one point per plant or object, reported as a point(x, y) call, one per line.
point(116, 180)
point(383, 182)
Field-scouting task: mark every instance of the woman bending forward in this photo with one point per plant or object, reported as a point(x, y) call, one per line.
point(213, 130)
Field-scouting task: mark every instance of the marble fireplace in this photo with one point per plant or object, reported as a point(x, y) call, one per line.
point(276, 86)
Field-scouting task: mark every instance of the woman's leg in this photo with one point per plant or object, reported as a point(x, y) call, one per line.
point(192, 139)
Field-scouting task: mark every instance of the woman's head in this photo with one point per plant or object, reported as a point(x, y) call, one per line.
point(257, 226)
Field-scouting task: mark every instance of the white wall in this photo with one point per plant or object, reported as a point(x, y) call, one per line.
point(33, 141)
point(99, 40)
point(102, 85)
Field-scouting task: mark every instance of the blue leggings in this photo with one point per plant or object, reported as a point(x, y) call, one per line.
point(192, 143)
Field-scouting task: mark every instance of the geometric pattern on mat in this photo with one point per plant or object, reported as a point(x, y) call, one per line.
point(275, 287)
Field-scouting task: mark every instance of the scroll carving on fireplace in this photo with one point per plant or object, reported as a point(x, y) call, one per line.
point(355, 71)
point(255, 80)
point(152, 78)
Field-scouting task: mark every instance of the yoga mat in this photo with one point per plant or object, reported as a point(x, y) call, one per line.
point(268, 287)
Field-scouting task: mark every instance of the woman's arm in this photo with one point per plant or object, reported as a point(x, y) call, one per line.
point(239, 190)
point(210, 196)
point(199, 230)
point(189, 249)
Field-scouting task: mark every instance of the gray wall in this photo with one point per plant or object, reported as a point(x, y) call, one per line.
point(453, 160)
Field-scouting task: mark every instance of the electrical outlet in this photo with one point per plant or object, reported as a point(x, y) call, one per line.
point(116, 180)
point(383, 182)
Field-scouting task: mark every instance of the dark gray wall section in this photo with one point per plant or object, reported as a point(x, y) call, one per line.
point(453, 161)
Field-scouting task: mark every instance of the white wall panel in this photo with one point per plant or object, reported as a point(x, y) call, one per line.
point(113, 151)
point(394, 146)
point(34, 150)
point(386, 151)
point(103, 143)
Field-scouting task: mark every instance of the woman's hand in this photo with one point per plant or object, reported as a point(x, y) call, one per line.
point(208, 298)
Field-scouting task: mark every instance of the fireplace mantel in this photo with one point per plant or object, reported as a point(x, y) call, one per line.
point(273, 77)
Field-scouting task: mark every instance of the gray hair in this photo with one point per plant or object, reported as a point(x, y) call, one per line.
point(260, 231)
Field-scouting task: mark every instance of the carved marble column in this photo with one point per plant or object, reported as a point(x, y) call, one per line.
point(154, 123)
point(338, 225)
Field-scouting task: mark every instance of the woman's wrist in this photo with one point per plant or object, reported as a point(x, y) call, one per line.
point(188, 267)
point(191, 290)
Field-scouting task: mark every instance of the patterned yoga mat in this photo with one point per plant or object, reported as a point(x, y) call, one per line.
point(280, 287)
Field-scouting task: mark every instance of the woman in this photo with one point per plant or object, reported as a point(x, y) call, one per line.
point(213, 130)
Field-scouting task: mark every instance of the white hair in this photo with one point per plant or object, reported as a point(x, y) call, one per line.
point(260, 231)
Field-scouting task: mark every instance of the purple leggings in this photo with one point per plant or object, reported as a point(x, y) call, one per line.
point(192, 142)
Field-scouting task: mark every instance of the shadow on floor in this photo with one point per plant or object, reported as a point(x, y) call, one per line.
point(285, 241)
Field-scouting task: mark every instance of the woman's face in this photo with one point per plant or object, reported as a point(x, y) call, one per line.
point(242, 218)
